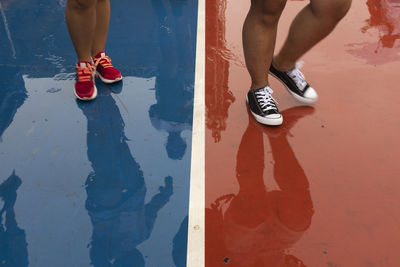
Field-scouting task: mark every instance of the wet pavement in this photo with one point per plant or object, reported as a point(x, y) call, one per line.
point(103, 183)
point(106, 183)
point(321, 190)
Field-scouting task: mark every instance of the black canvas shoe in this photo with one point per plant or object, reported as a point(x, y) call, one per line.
point(295, 83)
point(263, 107)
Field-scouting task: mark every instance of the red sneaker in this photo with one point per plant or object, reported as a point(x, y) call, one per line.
point(85, 89)
point(107, 73)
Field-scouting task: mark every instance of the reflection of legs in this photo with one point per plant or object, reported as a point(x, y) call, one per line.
point(81, 20)
point(249, 207)
point(259, 35)
point(250, 161)
point(311, 25)
point(13, 246)
point(102, 22)
point(295, 204)
point(287, 170)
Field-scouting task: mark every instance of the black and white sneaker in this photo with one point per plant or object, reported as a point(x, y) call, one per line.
point(295, 83)
point(263, 107)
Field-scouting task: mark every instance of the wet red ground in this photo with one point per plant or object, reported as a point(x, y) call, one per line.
point(322, 189)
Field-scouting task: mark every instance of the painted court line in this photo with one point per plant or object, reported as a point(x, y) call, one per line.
point(196, 231)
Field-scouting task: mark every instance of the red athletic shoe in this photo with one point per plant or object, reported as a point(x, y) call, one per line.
point(85, 89)
point(107, 73)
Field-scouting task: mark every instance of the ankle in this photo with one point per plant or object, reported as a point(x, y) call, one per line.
point(84, 58)
point(281, 64)
point(255, 86)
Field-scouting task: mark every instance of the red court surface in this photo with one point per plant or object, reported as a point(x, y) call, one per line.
point(322, 189)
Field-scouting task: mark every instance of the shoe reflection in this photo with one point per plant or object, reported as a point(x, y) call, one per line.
point(13, 246)
point(116, 188)
point(257, 226)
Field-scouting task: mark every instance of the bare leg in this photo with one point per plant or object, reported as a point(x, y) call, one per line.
point(81, 21)
point(259, 36)
point(103, 20)
point(311, 25)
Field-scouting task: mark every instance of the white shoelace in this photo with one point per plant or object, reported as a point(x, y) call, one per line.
point(298, 76)
point(265, 99)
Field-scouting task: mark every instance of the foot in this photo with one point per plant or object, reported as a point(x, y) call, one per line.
point(295, 83)
point(105, 70)
point(263, 107)
point(85, 88)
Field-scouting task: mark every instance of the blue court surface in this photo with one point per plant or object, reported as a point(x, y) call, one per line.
point(104, 183)
point(167, 167)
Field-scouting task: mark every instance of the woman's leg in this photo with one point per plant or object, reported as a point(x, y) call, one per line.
point(259, 36)
point(102, 23)
point(311, 25)
point(81, 21)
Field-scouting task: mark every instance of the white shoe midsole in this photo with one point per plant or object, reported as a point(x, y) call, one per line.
point(104, 80)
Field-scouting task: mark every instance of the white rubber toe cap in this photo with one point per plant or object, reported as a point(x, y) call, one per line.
point(311, 95)
point(274, 116)
point(272, 119)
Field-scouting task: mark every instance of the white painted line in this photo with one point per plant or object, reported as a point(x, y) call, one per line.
point(196, 231)
point(3, 14)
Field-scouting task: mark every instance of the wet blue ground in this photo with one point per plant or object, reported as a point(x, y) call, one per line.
point(104, 183)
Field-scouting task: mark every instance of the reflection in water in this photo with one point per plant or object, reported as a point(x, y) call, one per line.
point(385, 15)
point(13, 246)
point(385, 18)
point(256, 227)
point(218, 96)
point(49, 49)
point(180, 244)
point(43, 25)
point(12, 96)
point(116, 188)
point(174, 83)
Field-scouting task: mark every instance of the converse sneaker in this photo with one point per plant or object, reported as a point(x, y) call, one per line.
point(295, 83)
point(105, 70)
point(85, 88)
point(263, 107)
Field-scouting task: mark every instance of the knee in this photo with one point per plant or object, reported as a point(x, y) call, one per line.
point(340, 9)
point(269, 11)
point(334, 11)
point(82, 4)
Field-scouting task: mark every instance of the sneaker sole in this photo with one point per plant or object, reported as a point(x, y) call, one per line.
point(104, 80)
point(303, 100)
point(266, 121)
point(87, 98)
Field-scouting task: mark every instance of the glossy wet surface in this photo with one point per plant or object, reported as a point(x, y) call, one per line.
point(106, 183)
point(322, 189)
point(103, 183)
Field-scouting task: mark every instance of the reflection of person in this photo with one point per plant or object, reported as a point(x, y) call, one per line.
point(174, 83)
point(180, 244)
point(309, 27)
point(12, 97)
point(13, 246)
point(218, 96)
point(88, 22)
point(384, 17)
point(116, 189)
point(19, 57)
point(258, 226)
